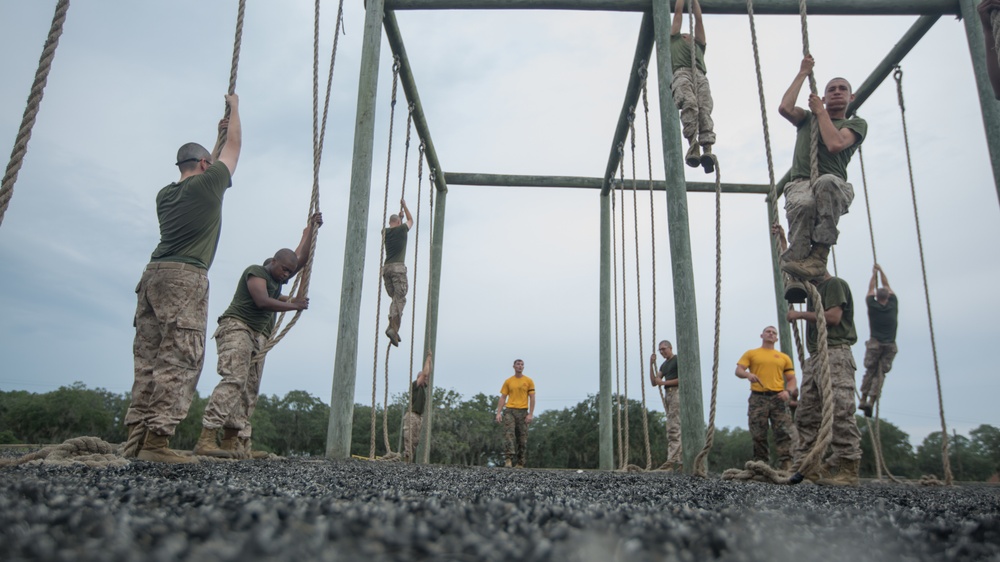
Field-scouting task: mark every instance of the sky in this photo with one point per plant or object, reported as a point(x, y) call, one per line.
point(528, 92)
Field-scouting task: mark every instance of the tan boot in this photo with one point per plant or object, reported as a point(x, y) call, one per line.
point(846, 476)
point(393, 330)
point(866, 406)
point(795, 291)
point(230, 442)
point(248, 452)
point(823, 471)
point(207, 446)
point(693, 156)
point(508, 464)
point(812, 266)
point(155, 450)
point(707, 161)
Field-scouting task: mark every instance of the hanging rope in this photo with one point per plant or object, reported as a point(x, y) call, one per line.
point(31, 111)
point(868, 207)
point(416, 264)
point(946, 462)
point(300, 287)
point(621, 186)
point(233, 69)
point(622, 445)
point(813, 125)
point(381, 257)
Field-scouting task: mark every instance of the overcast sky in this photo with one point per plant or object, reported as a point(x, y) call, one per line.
point(504, 92)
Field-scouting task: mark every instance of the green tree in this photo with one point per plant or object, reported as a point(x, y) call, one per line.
point(731, 448)
point(896, 450)
point(966, 463)
point(986, 444)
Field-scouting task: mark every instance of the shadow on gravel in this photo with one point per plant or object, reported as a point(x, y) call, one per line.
point(356, 510)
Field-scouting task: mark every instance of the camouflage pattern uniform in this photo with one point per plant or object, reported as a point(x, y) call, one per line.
point(694, 100)
point(394, 277)
point(813, 213)
point(515, 435)
point(846, 443)
point(672, 408)
point(764, 408)
point(878, 362)
point(235, 396)
point(412, 424)
point(169, 345)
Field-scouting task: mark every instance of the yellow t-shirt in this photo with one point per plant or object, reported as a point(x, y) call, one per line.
point(517, 390)
point(770, 366)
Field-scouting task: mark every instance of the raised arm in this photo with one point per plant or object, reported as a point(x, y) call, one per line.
point(675, 25)
point(871, 283)
point(793, 113)
point(834, 139)
point(885, 280)
point(305, 244)
point(652, 370)
point(258, 292)
point(230, 154)
point(699, 26)
point(406, 210)
point(778, 232)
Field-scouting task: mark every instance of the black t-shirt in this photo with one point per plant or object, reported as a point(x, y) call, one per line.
point(668, 370)
point(395, 243)
point(883, 318)
point(418, 398)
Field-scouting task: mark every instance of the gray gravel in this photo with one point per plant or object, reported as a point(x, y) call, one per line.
point(356, 510)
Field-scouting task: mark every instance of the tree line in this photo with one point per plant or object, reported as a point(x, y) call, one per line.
point(464, 432)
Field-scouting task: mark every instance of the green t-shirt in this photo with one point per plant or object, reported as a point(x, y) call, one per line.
point(243, 307)
point(883, 319)
point(418, 398)
point(834, 292)
point(835, 164)
point(680, 54)
point(190, 214)
point(395, 243)
point(668, 370)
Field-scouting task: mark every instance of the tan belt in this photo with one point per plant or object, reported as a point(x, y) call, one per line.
point(175, 265)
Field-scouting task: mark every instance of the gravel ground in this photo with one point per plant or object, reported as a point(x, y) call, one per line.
point(357, 510)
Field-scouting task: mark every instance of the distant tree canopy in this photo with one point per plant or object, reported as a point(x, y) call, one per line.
point(465, 432)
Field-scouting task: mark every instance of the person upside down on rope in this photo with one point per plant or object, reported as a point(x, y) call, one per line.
point(413, 420)
point(667, 378)
point(394, 270)
point(772, 386)
point(691, 90)
point(244, 329)
point(814, 209)
point(172, 296)
point(880, 349)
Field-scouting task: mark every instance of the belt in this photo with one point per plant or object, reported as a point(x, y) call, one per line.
point(767, 392)
point(175, 265)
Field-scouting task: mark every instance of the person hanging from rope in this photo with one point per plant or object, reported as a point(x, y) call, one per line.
point(986, 9)
point(172, 296)
point(690, 88)
point(243, 331)
point(515, 410)
point(880, 349)
point(772, 386)
point(667, 378)
point(814, 209)
point(413, 420)
point(838, 307)
point(394, 270)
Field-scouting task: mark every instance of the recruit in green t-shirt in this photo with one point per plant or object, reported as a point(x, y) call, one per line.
point(244, 309)
point(834, 292)
point(190, 215)
point(883, 318)
point(668, 370)
point(680, 54)
point(418, 398)
point(395, 243)
point(835, 164)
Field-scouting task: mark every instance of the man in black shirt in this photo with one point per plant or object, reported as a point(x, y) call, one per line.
point(667, 378)
point(880, 349)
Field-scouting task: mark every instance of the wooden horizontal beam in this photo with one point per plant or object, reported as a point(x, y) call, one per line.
point(731, 7)
point(507, 180)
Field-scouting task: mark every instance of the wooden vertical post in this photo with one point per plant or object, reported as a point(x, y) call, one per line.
point(987, 99)
point(430, 330)
point(338, 439)
point(685, 305)
point(606, 421)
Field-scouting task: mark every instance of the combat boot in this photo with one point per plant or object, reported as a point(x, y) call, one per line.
point(230, 442)
point(508, 464)
point(866, 405)
point(707, 161)
point(393, 330)
point(155, 450)
point(795, 291)
point(693, 156)
point(814, 476)
point(846, 476)
point(248, 452)
point(813, 266)
point(207, 447)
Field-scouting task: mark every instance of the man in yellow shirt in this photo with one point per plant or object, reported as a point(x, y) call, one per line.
point(772, 385)
point(518, 395)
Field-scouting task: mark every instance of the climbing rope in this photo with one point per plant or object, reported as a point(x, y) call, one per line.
point(31, 111)
point(381, 257)
point(822, 356)
point(300, 287)
point(92, 452)
point(813, 125)
point(946, 462)
point(868, 207)
point(621, 187)
point(416, 264)
point(233, 69)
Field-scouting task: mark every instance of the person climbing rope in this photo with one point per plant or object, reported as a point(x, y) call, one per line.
point(244, 329)
point(394, 270)
point(986, 9)
point(772, 386)
point(838, 307)
point(413, 420)
point(813, 209)
point(516, 409)
point(172, 309)
point(690, 88)
point(880, 349)
point(667, 378)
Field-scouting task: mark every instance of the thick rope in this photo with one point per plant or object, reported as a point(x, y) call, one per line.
point(876, 439)
point(814, 125)
point(381, 256)
point(31, 110)
point(233, 69)
point(700, 464)
point(89, 451)
point(946, 462)
point(868, 207)
point(622, 445)
point(416, 264)
point(638, 289)
point(825, 434)
point(621, 187)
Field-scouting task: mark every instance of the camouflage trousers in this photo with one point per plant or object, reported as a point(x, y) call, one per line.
point(846, 443)
point(235, 396)
point(169, 347)
point(761, 411)
point(394, 278)
point(515, 435)
point(695, 105)
point(878, 362)
point(813, 213)
point(672, 409)
point(412, 424)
